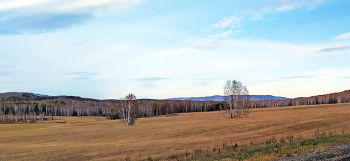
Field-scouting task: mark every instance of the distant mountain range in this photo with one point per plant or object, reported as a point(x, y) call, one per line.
point(222, 98)
point(19, 96)
point(26, 96)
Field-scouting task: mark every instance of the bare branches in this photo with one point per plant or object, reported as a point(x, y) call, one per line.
point(128, 109)
point(237, 96)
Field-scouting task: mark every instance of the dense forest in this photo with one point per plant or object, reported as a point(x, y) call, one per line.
point(29, 107)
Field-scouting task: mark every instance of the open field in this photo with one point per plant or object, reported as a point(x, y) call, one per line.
point(82, 138)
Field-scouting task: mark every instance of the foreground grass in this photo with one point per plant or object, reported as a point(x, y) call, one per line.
point(279, 150)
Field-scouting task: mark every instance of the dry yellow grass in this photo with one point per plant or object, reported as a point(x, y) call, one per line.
point(94, 138)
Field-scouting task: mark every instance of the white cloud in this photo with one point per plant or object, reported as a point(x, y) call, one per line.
point(38, 16)
point(318, 2)
point(8, 5)
point(25, 7)
point(343, 36)
point(335, 48)
point(256, 16)
point(228, 21)
point(98, 7)
point(270, 6)
point(209, 46)
point(222, 34)
point(225, 34)
point(287, 5)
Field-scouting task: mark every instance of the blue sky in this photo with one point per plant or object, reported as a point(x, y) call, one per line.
point(174, 48)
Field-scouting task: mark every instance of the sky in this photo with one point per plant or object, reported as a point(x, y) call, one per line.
point(158, 49)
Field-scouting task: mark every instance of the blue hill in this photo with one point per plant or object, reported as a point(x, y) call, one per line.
point(222, 98)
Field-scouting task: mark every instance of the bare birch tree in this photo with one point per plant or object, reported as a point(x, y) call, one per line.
point(237, 97)
point(128, 109)
point(244, 107)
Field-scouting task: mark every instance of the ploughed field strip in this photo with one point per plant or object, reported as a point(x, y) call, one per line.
point(88, 138)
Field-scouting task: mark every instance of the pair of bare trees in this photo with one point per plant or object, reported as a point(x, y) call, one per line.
point(237, 96)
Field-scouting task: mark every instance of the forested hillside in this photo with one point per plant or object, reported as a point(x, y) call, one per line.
point(25, 96)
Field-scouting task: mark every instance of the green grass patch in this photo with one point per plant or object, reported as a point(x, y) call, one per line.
point(279, 150)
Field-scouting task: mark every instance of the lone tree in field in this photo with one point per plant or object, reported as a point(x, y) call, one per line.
point(128, 109)
point(237, 96)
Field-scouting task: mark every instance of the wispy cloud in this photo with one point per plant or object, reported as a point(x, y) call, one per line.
point(97, 5)
point(346, 77)
point(38, 16)
point(202, 83)
point(7, 66)
point(148, 85)
point(266, 81)
point(343, 36)
point(71, 6)
point(287, 5)
point(256, 16)
point(42, 24)
point(209, 46)
point(82, 75)
point(338, 48)
point(150, 79)
point(269, 6)
point(225, 34)
point(231, 21)
point(235, 77)
point(75, 73)
point(8, 5)
point(216, 78)
point(296, 76)
point(285, 78)
point(81, 78)
point(222, 34)
point(5, 73)
point(328, 49)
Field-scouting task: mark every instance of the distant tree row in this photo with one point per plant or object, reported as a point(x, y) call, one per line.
point(341, 97)
point(33, 111)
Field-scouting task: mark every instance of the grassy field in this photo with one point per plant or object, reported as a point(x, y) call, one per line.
point(94, 138)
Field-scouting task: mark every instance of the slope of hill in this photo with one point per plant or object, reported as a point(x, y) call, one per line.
point(26, 96)
point(222, 98)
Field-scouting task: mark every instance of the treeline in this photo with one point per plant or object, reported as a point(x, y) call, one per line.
point(340, 97)
point(33, 111)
